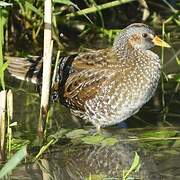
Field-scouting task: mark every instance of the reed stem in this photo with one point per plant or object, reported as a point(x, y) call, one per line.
point(47, 55)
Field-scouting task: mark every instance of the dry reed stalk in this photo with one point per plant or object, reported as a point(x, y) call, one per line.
point(2, 123)
point(9, 119)
point(47, 55)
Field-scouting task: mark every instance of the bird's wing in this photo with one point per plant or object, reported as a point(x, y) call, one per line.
point(99, 58)
point(90, 71)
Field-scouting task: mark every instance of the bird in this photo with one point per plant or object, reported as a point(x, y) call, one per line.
point(105, 86)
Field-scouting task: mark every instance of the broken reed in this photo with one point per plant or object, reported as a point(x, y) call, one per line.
point(6, 115)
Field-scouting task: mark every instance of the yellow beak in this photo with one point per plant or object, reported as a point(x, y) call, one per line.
point(159, 42)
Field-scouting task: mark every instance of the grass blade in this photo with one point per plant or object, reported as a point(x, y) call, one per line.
point(13, 162)
point(33, 8)
point(134, 166)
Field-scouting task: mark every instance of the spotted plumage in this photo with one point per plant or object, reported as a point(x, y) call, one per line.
point(108, 86)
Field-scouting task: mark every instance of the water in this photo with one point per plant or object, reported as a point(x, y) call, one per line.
point(159, 159)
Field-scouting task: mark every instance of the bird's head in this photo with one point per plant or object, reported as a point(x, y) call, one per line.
point(139, 36)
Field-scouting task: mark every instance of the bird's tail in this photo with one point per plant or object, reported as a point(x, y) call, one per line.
point(28, 69)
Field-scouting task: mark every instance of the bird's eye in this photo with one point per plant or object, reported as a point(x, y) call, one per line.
point(144, 35)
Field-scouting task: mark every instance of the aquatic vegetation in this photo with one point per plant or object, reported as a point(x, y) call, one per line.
point(76, 26)
point(134, 167)
point(13, 161)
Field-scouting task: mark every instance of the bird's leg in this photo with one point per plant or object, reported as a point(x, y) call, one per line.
point(77, 121)
point(98, 129)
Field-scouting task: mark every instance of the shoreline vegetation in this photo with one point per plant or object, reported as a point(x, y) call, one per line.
point(66, 27)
